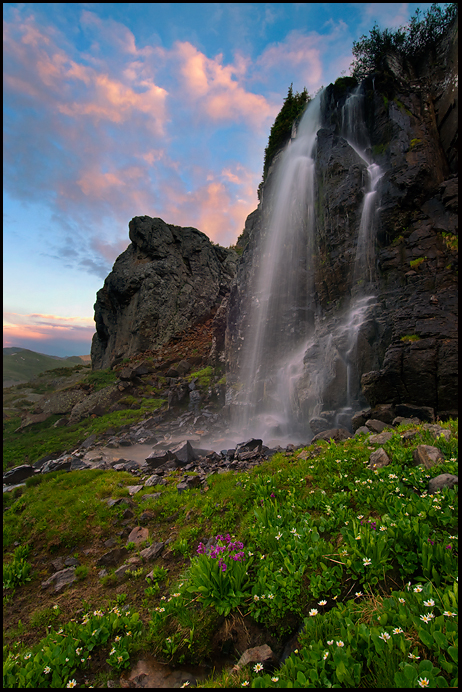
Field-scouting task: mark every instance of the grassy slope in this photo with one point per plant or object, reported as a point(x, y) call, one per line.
point(325, 488)
point(23, 365)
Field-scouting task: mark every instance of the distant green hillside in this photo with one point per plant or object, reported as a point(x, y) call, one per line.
point(21, 365)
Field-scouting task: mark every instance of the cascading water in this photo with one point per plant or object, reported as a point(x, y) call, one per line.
point(280, 317)
point(290, 361)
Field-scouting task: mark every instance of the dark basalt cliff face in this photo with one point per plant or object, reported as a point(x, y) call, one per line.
point(407, 346)
point(167, 280)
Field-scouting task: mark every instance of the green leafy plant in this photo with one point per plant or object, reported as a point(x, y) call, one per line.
point(18, 570)
point(220, 584)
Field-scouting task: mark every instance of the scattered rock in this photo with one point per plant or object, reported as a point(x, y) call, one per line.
point(379, 459)
point(427, 456)
point(376, 426)
point(18, 474)
point(60, 579)
point(259, 654)
point(334, 434)
point(138, 535)
point(380, 439)
point(444, 480)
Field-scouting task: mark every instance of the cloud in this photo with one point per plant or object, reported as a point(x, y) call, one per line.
point(69, 335)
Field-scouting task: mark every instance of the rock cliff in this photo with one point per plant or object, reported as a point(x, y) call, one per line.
point(406, 347)
point(169, 279)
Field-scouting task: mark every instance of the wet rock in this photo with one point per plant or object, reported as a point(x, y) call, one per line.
point(158, 458)
point(359, 419)
point(427, 456)
point(61, 464)
point(18, 474)
point(318, 425)
point(444, 480)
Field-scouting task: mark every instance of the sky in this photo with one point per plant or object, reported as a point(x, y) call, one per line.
point(116, 110)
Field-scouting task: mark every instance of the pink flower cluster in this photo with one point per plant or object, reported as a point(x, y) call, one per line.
point(230, 548)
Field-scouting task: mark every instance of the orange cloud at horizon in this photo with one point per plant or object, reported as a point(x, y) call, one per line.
point(40, 327)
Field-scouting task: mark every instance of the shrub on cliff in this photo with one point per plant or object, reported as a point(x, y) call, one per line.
point(411, 41)
point(293, 107)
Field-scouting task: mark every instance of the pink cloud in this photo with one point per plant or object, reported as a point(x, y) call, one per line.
point(297, 52)
point(30, 330)
point(218, 90)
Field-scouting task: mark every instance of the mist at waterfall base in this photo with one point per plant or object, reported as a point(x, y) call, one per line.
point(290, 350)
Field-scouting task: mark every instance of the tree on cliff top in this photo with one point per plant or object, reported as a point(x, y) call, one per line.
point(411, 41)
point(293, 107)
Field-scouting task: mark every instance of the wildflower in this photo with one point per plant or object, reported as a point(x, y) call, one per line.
point(397, 630)
point(383, 528)
point(47, 670)
point(429, 603)
point(27, 656)
point(423, 682)
point(256, 598)
point(185, 684)
point(402, 600)
point(262, 557)
point(258, 667)
point(270, 596)
point(278, 536)
point(325, 655)
point(71, 683)
point(313, 611)
point(120, 659)
point(274, 679)
point(340, 643)
point(55, 607)
point(322, 603)
point(417, 589)
point(245, 683)
point(414, 658)
point(366, 561)
point(358, 594)
point(425, 618)
point(449, 614)
point(358, 538)
point(175, 595)
point(331, 642)
point(78, 651)
point(250, 554)
point(112, 651)
point(385, 636)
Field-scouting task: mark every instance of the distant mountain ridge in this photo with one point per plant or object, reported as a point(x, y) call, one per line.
point(21, 365)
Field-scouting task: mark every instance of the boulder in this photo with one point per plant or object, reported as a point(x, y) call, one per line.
point(378, 459)
point(318, 425)
point(158, 458)
point(427, 455)
point(152, 552)
point(259, 654)
point(424, 413)
point(18, 474)
point(381, 438)
point(376, 426)
point(335, 434)
point(138, 535)
point(444, 480)
point(60, 579)
point(112, 558)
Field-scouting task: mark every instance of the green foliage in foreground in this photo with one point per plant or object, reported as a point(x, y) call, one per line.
point(365, 559)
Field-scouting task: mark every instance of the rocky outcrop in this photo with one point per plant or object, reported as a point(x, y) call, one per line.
point(406, 344)
point(169, 279)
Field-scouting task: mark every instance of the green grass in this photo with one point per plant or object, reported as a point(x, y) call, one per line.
point(334, 545)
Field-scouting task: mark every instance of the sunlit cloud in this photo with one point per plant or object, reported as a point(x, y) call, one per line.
point(35, 331)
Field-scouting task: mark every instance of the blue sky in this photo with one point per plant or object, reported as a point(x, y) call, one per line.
point(116, 110)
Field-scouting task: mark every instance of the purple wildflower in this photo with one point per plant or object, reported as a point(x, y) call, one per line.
point(449, 547)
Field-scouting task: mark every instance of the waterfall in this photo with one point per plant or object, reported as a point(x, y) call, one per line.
point(280, 316)
point(292, 361)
